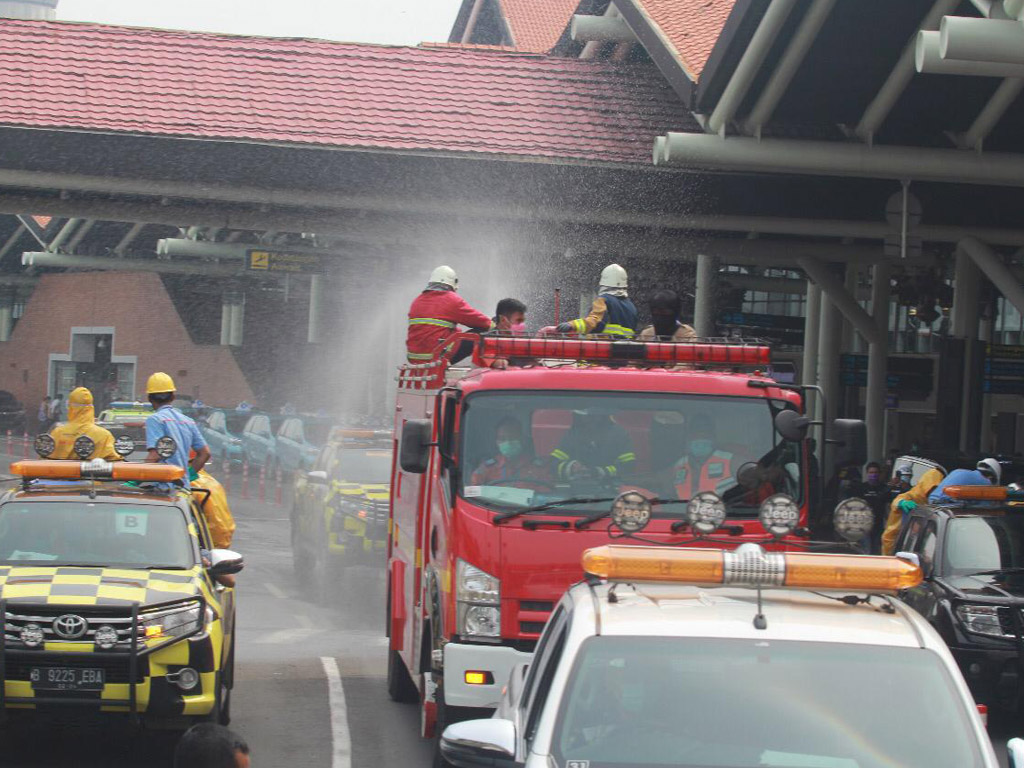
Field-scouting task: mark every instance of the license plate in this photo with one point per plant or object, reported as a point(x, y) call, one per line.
point(66, 679)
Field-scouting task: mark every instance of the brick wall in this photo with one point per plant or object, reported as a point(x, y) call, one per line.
point(146, 324)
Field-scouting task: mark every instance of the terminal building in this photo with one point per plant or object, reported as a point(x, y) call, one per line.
point(813, 172)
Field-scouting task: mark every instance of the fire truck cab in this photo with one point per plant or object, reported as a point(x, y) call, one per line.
point(505, 476)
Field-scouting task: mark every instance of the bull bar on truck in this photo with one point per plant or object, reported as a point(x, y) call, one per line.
point(460, 658)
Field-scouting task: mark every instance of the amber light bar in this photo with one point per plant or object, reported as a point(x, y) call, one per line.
point(699, 353)
point(751, 566)
point(96, 470)
point(982, 493)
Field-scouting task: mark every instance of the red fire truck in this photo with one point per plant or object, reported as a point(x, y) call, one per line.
point(504, 476)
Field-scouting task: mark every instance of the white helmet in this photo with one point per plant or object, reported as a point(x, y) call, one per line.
point(613, 276)
point(992, 467)
point(445, 276)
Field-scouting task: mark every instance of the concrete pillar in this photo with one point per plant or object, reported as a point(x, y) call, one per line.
point(316, 300)
point(237, 320)
point(966, 291)
point(7, 298)
point(812, 324)
point(225, 320)
point(878, 353)
point(704, 304)
point(850, 278)
point(830, 338)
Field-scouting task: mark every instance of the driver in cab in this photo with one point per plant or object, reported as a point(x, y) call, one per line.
point(594, 448)
point(703, 467)
point(514, 464)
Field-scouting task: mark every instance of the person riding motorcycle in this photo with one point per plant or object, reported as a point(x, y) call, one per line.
point(82, 422)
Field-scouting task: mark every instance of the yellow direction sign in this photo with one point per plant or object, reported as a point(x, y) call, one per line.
point(282, 261)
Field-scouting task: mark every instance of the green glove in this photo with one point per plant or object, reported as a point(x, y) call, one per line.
point(907, 506)
point(192, 475)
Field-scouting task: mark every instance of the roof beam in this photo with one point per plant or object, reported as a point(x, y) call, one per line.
point(80, 234)
point(831, 158)
point(866, 326)
point(749, 65)
point(880, 107)
point(788, 65)
point(991, 113)
point(12, 240)
point(586, 29)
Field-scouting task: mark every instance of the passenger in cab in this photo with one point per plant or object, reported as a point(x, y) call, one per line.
point(436, 314)
point(168, 421)
point(703, 467)
point(665, 306)
point(514, 463)
point(611, 313)
point(82, 422)
point(594, 448)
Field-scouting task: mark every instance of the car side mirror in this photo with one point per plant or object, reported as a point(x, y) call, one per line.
point(850, 436)
point(224, 562)
point(1015, 753)
point(317, 476)
point(480, 743)
point(414, 452)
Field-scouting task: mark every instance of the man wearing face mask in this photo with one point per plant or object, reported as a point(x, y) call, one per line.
point(703, 468)
point(510, 316)
point(514, 463)
point(665, 306)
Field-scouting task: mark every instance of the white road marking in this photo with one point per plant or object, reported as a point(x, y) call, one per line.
point(304, 620)
point(287, 636)
point(340, 741)
point(276, 591)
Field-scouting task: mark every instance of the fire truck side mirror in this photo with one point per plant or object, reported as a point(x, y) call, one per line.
point(850, 436)
point(414, 452)
point(792, 426)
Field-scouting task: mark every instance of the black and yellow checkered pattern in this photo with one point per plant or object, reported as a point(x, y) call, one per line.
point(96, 586)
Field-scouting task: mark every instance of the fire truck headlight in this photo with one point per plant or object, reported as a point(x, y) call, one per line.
point(853, 519)
point(478, 600)
point(475, 586)
point(479, 620)
point(631, 511)
point(779, 514)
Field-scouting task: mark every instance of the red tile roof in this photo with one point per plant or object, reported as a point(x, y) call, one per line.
point(691, 27)
point(536, 25)
point(143, 81)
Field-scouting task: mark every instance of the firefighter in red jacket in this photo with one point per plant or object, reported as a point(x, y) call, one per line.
point(436, 314)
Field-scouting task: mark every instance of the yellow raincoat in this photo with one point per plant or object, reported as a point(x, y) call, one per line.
point(81, 421)
point(215, 509)
point(919, 495)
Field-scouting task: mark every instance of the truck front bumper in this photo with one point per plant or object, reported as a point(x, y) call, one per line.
point(460, 658)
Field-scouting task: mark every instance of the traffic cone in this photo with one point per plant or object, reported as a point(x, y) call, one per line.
point(245, 478)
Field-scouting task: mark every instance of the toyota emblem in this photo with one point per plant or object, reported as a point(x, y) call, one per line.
point(69, 626)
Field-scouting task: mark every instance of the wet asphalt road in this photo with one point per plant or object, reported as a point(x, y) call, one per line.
point(282, 701)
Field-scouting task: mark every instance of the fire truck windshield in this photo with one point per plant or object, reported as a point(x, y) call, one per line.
point(527, 449)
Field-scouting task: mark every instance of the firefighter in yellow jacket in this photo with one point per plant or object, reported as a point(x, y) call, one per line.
point(82, 421)
point(214, 505)
point(904, 504)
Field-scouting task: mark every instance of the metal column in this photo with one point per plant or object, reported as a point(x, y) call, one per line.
point(878, 354)
point(316, 300)
point(704, 305)
point(967, 284)
point(809, 367)
point(830, 337)
point(6, 314)
point(225, 320)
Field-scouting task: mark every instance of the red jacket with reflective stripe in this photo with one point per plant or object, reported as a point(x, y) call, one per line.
point(433, 317)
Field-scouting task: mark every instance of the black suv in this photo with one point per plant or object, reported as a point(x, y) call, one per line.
point(973, 592)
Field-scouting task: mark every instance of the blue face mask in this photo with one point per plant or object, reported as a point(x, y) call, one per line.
point(510, 449)
point(701, 448)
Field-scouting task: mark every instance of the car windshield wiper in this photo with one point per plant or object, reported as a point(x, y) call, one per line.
point(166, 568)
point(999, 571)
point(551, 505)
point(583, 522)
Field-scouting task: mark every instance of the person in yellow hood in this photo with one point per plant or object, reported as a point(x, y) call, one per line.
point(215, 508)
point(81, 421)
point(904, 504)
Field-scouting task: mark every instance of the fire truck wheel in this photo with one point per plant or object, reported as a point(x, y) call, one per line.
point(400, 685)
